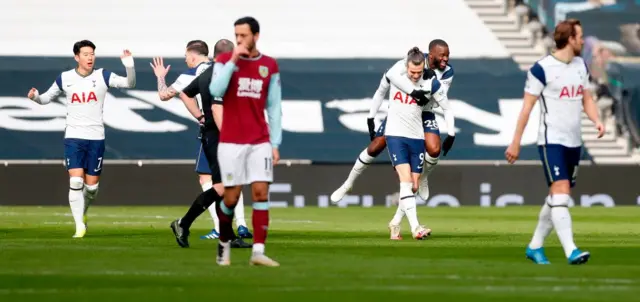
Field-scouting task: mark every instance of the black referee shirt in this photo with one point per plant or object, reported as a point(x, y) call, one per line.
point(200, 85)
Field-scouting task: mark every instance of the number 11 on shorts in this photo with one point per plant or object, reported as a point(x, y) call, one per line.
point(268, 163)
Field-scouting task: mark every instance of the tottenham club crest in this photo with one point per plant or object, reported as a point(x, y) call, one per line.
point(264, 71)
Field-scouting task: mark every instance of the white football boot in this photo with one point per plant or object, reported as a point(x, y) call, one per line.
point(340, 193)
point(262, 260)
point(421, 232)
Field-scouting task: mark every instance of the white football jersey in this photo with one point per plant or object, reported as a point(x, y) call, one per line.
point(560, 87)
point(185, 78)
point(85, 99)
point(404, 118)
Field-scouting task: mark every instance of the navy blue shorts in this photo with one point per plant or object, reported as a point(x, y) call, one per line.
point(404, 150)
point(429, 124)
point(560, 162)
point(84, 153)
point(207, 160)
point(202, 164)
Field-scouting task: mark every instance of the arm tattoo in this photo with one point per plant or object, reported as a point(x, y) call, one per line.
point(162, 87)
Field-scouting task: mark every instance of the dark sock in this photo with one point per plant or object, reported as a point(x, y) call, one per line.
point(199, 206)
point(226, 224)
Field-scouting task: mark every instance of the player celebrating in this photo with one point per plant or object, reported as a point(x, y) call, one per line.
point(560, 82)
point(207, 163)
point(405, 137)
point(437, 59)
point(85, 90)
point(248, 81)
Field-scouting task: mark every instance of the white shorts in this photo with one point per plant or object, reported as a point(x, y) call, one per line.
point(245, 164)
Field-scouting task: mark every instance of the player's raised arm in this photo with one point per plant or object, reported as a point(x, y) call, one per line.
point(590, 107)
point(54, 91)
point(274, 110)
point(536, 80)
point(222, 72)
point(117, 81)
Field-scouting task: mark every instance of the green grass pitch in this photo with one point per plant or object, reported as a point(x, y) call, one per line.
point(330, 254)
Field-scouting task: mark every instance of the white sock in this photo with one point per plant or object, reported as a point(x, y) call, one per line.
point(76, 200)
point(397, 218)
point(562, 222)
point(544, 227)
point(408, 203)
point(430, 164)
point(212, 208)
point(90, 193)
point(239, 213)
point(362, 163)
point(258, 248)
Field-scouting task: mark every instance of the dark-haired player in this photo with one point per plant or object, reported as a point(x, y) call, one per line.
point(560, 82)
point(248, 82)
point(85, 89)
point(437, 61)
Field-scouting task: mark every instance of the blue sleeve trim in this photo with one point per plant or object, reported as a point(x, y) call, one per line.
point(538, 73)
point(274, 110)
point(191, 71)
point(447, 74)
point(59, 82)
point(435, 85)
point(106, 75)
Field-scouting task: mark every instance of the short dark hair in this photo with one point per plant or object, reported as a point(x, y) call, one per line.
point(80, 44)
point(222, 46)
point(415, 56)
point(564, 30)
point(199, 47)
point(437, 42)
point(251, 21)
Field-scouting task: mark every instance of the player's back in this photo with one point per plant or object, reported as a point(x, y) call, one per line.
point(85, 102)
point(404, 118)
point(561, 100)
point(245, 100)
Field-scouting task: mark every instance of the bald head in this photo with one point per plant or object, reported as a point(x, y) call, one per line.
point(222, 46)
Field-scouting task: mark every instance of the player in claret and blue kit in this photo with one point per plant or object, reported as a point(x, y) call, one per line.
point(560, 82)
point(85, 89)
point(248, 83)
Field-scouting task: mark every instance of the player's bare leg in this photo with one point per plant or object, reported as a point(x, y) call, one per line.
point(76, 200)
point(225, 211)
point(365, 158)
point(260, 221)
point(432, 143)
point(408, 181)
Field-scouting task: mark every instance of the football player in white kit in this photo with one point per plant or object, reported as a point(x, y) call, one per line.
point(438, 62)
point(405, 138)
point(560, 82)
point(85, 89)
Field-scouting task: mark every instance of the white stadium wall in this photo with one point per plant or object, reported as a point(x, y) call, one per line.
point(290, 28)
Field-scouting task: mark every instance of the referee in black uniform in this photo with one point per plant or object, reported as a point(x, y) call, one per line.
point(209, 135)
